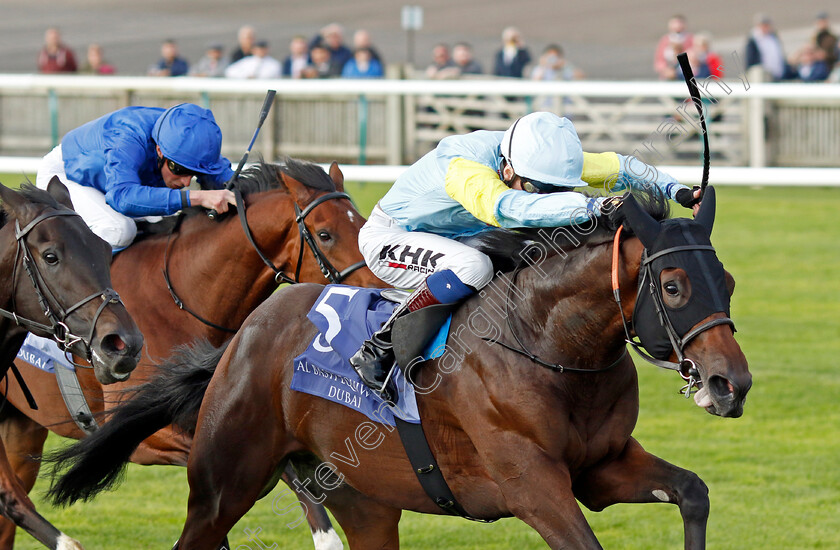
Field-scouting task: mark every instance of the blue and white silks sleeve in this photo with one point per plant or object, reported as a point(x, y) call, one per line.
point(635, 174)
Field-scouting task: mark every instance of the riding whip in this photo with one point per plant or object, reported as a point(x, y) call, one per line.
point(269, 99)
point(688, 75)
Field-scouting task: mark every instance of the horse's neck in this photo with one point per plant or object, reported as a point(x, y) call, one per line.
point(565, 311)
point(237, 273)
point(212, 266)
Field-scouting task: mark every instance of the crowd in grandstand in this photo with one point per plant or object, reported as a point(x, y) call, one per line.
point(326, 55)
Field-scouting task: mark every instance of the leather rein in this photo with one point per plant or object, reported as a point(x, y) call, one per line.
point(53, 310)
point(332, 274)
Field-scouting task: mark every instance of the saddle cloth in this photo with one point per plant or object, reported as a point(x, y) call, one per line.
point(43, 353)
point(345, 317)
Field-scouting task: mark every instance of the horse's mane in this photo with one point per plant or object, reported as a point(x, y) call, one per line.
point(509, 249)
point(265, 177)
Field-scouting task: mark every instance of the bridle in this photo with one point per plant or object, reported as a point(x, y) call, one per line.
point(685, 366)
point(332, 274)
point(53, 310)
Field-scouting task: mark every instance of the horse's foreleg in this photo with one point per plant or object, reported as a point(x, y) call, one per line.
point(16, 505)
point(539, 492)
point(638, 476)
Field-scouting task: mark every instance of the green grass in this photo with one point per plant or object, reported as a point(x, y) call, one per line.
point(773, 474)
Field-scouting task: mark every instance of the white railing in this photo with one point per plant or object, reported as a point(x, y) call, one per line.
point(395, 121)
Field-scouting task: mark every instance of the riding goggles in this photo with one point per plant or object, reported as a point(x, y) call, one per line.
point(179, 170)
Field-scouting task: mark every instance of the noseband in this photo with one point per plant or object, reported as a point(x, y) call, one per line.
point(330, 273)
point(53, 310)
point(685, 366)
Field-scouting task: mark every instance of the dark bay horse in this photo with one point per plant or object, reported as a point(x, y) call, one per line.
point(216, 273)
point(55, 282)
point(531, 407)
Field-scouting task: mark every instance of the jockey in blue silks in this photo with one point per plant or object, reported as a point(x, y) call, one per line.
point(137, 162)
point(522, 177)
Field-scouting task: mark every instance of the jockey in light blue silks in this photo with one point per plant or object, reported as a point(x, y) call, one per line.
point(137, 162)
point(522, 177)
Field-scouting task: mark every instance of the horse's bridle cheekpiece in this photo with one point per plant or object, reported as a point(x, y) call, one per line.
point(662, 331)
point(52, 308)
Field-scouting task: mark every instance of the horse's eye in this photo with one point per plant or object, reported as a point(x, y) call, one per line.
point(50, 257)
point(671, 288)
point(324, 236)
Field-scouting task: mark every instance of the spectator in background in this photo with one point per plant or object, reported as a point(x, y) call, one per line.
point(675, 41)
point(95, 62)
point(211, 63)
point(552, 65)
point(442, 65)
point(825, 41)
point(258, 65)
point(361, 39)
point(362, 65)
point(513, 56)
point(462, 55)
point(55, 56)
point(332, 38)
point(764, 48)
point(807, 67)
point(704, 62)
point(170, 63)
point(245, 39)
point(298, 58)
point(320, 64)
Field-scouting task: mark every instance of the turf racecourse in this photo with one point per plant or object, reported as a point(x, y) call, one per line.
point(773, 475)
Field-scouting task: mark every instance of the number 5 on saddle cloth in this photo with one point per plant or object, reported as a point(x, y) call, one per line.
point(346, 317)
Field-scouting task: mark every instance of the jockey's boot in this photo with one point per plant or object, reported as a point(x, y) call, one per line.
point(374, 362)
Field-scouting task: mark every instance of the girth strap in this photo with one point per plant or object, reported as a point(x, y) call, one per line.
point(74, 399)
point(427, 470)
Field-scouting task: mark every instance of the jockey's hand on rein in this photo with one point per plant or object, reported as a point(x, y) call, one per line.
point(687, 197)
point(611, 211)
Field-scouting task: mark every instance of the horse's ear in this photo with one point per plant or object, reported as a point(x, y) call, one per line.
point(60, 192)
point(337, 176)
point(13, 201)
point(639, 221)
point(706, 214)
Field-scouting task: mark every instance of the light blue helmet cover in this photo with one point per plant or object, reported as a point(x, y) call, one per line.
point(545, 149)
point(189, 135)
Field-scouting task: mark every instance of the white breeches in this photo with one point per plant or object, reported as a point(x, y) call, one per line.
point(116, 229)
point(405, 258)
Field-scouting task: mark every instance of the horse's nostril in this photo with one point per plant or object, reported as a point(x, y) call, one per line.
point(113, 343)
point(721, 387)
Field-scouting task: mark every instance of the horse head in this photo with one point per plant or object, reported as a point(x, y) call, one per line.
point(67, 293)
point(328, 224)
point(682, 306)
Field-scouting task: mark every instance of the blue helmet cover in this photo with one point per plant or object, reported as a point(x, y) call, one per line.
point(189, 135)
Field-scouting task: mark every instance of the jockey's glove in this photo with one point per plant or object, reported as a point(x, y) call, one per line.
point(610, 210)
point(686, 197)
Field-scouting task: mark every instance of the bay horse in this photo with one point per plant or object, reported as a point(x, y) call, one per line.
point(55, 282)
point(531, 406)
point(301, 222)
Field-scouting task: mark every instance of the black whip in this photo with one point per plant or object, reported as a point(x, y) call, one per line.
point(688, 75)
point(269, 100)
